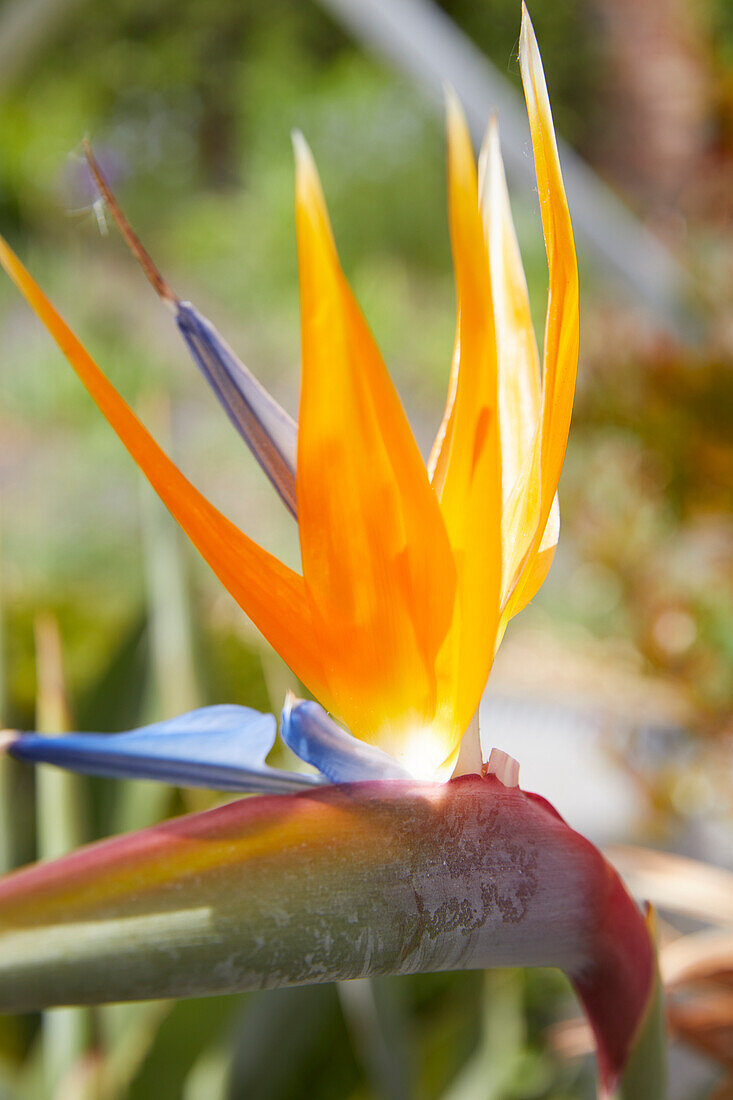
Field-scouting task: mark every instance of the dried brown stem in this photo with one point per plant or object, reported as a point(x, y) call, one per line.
point(132, 240)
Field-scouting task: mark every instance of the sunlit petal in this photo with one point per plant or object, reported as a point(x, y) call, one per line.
point(376, 556)
point(272, 595)
point(535, 572)
point(470, 462)
point(560, 357)
point(518, 368)
point(518, 363)
point(222, 747)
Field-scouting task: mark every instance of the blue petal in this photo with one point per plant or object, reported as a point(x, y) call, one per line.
point(317, 739)
point(267, 429)
point(221, 747)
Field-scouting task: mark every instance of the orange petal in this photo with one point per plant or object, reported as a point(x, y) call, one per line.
point(376, 556)
point(470, 465)
point(440, 451)
point(272, 595)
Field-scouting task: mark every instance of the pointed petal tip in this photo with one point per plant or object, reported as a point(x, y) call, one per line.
point(290, 699)
point(310, 200)
point(490, 150)
point(301, 149)
point(451, 100)
point(462, 178)
point(530, 59)
point(455, 116)
point(492, 131)
point(526, 26)
point(289, 703)
point(306, 173)
point(528, 48)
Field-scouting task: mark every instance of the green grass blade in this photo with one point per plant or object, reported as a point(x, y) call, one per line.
point(645, 1076)
point(61, 827)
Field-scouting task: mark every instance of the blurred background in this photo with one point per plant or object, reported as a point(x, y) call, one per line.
point(614, 689)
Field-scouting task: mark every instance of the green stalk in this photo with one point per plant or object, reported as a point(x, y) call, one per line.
point(377, 1025)
point(61, 817)
point(129, 1029)
point(491, 1071)
point(173, 686)
point(9, 810)
point(8, 814)
point(61, 827)
point(645, 1075)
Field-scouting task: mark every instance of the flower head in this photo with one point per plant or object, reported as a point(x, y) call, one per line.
point(409, 573)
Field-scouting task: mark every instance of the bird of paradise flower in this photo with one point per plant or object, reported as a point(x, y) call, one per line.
point(409, 575)
point(409, 578)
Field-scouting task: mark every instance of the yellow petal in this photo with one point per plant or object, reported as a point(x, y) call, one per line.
point(272, 595)
point(517, 356)
point(560, 358)
point(518, 368)
point(535, 571)
point(470, 460)
point(376, 557)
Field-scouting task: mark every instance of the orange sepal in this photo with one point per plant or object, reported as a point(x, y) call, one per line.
point(272, 595)
point(376, 557)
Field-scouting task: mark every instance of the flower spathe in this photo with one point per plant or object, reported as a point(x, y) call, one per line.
point(409, 575)
point(337, 882)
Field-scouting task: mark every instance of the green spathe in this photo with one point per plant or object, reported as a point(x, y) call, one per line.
point(347, 881)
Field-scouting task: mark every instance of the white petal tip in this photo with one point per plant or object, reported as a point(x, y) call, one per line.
point(305, 165)
point(450, 98)
point(455, 115)
point(504, 767)
point(300, 145)
point(291, 700)
point(527, 38)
